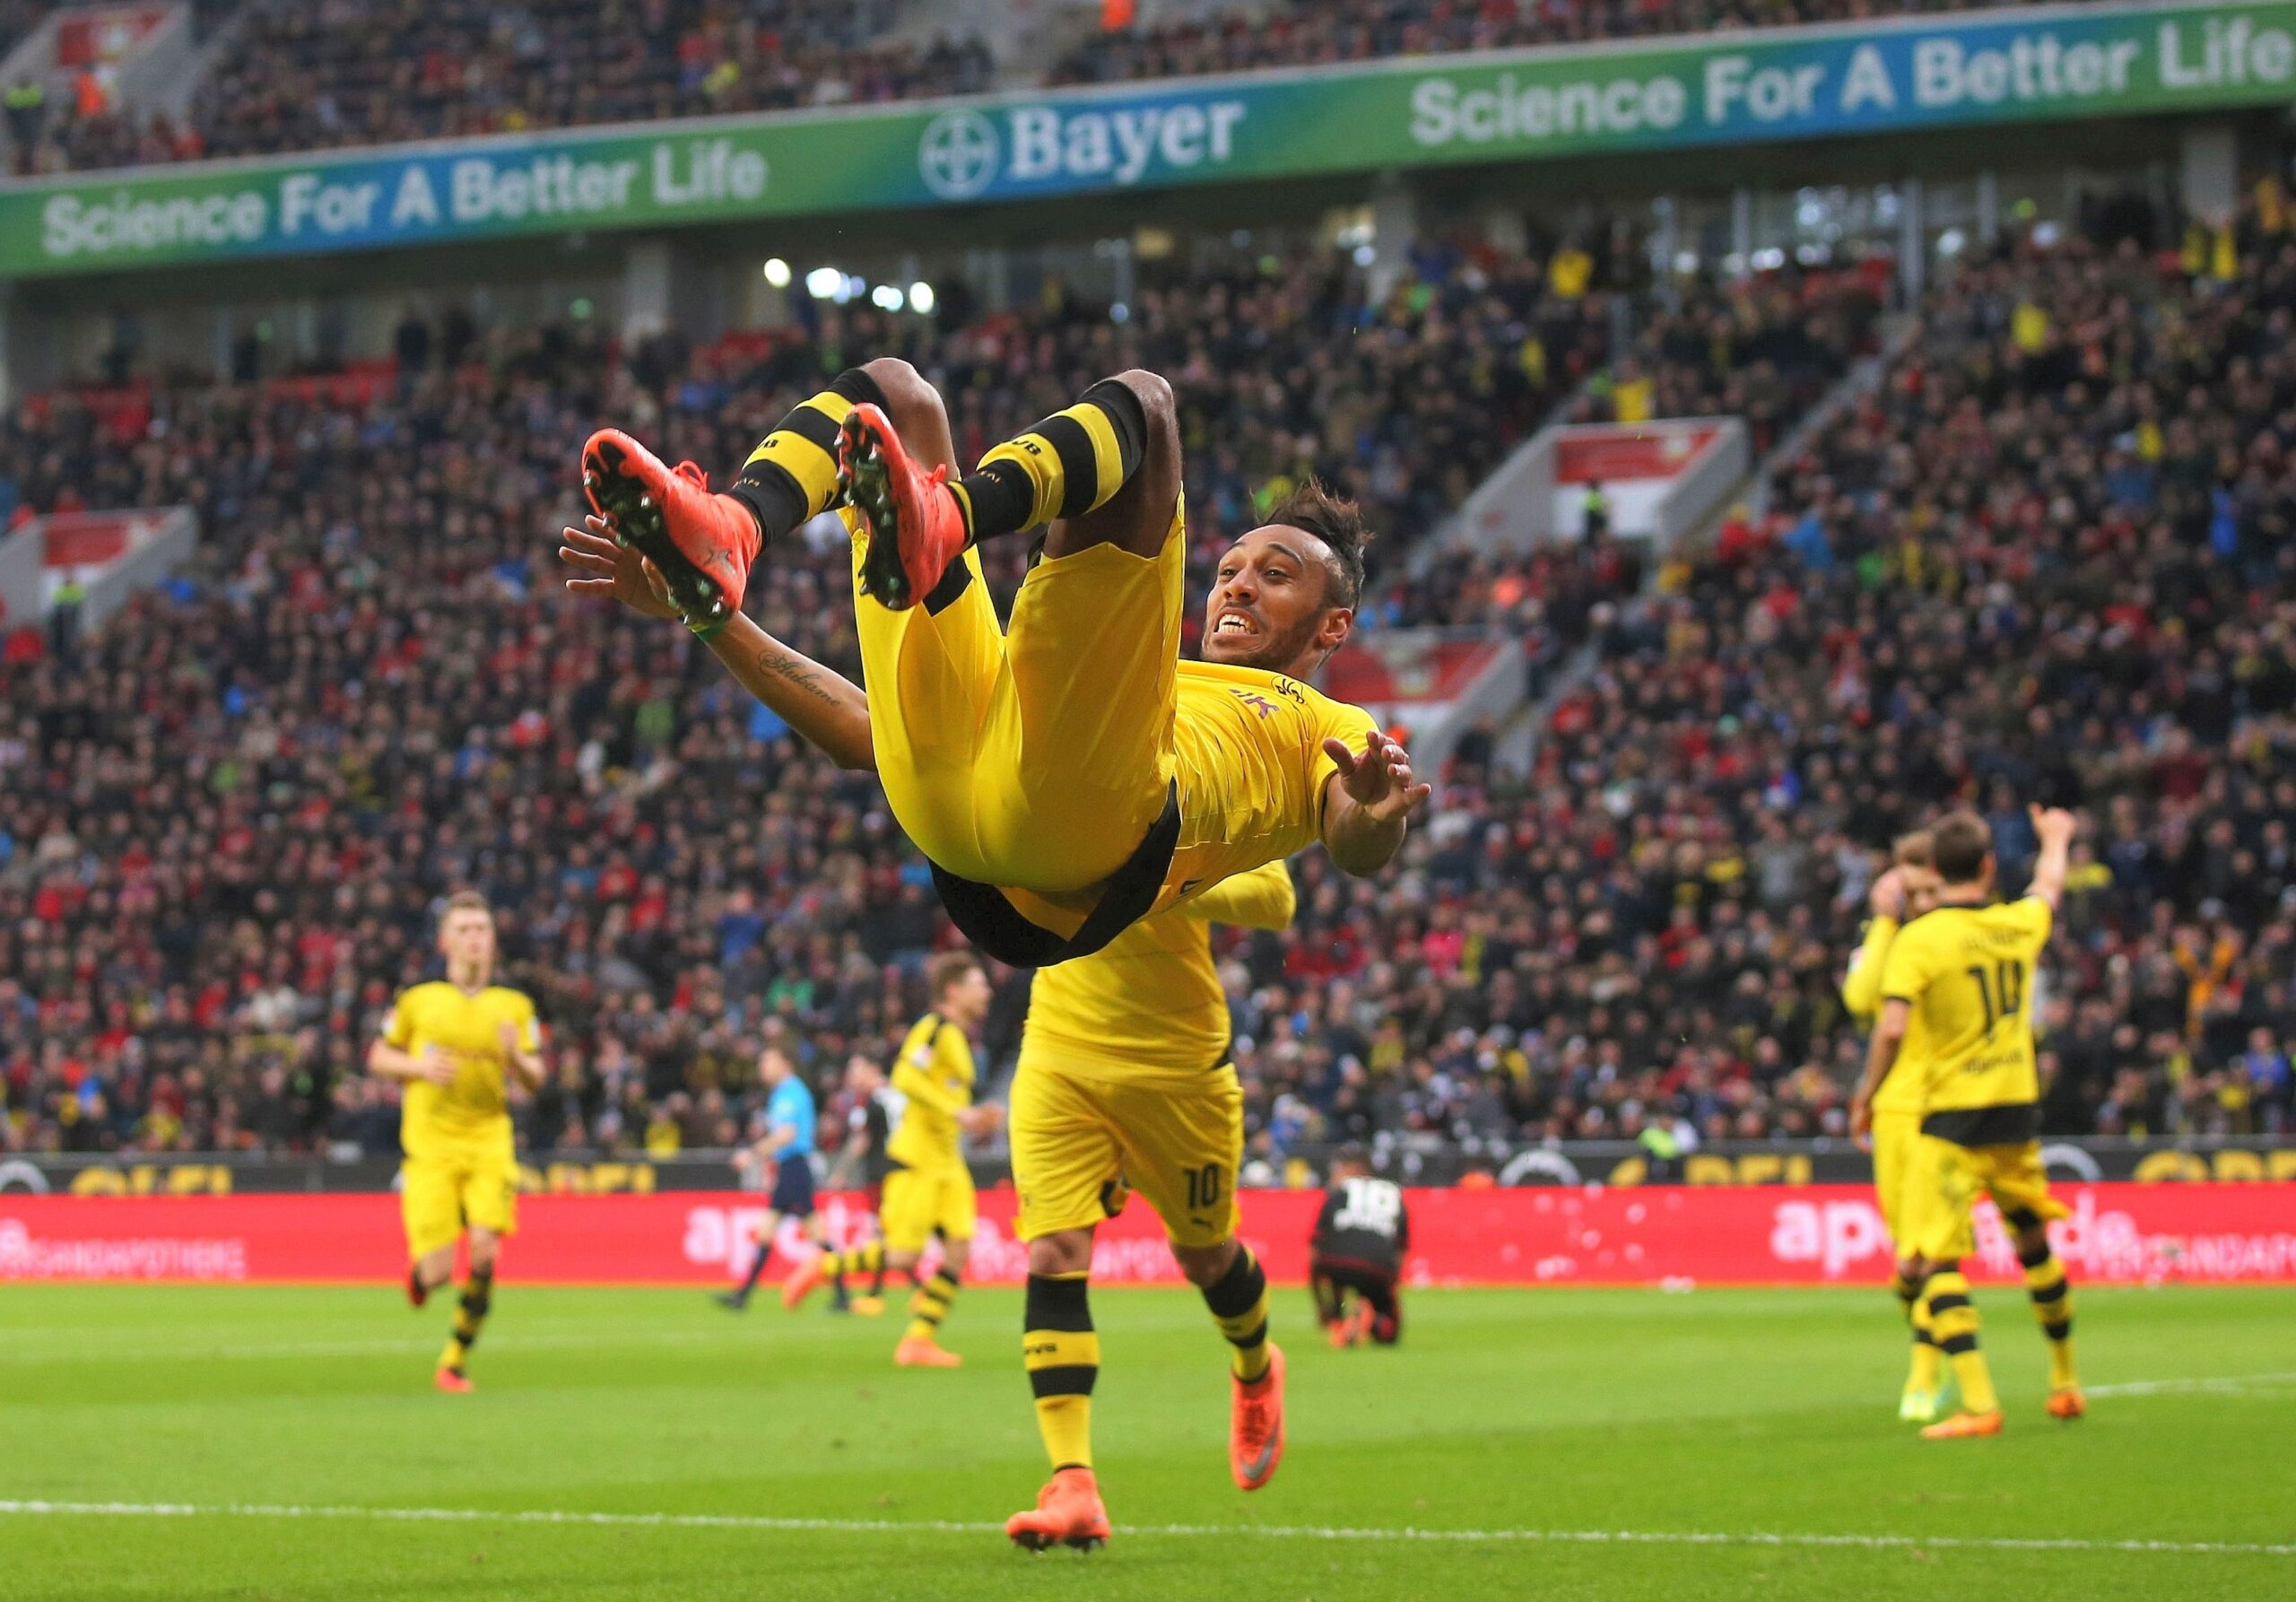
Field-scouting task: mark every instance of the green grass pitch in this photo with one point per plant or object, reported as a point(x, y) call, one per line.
point(187, 1443)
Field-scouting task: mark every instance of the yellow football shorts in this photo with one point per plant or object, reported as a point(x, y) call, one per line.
point(1084, 1135)
point(1897, 1137)
point(441, 1196)
point(1946, 1183)
point(917, 1204)
point(1036, 759)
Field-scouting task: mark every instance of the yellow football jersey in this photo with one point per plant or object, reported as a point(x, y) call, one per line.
point(1153, 996)
point(934, 1080)
point(473, 1108)
point(1968, 974)
point(1248, 753)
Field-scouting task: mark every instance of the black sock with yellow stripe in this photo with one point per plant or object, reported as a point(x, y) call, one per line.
point(1906, 1288)
point(869, 1257)
point(1238, 1302)
point(791, 477)
point(2052, 1294)
point(930, 1305)
point(470, 1317)
point(1063, 1356)
point(1928, 1361)
point(1954, 1320)
point(1063, 468)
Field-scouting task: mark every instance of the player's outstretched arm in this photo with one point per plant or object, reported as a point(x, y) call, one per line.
point(1368, 803)
point(1262, 899)
point(2053, 827)
point(827, 709)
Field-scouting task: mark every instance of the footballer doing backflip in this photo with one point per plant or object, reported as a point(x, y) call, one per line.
point(1087, 800)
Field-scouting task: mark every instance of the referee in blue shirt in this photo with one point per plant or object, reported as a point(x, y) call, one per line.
point(787, 1149)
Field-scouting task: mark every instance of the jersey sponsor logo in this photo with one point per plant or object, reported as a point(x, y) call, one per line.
point(1258, 703)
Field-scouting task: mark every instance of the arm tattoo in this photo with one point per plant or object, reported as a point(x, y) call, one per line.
point(787, 668)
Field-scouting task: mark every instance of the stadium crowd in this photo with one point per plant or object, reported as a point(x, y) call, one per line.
point(2049, 559)
point(1245, 38)
point(352, 72)
point(222, 817)
point(225, 818)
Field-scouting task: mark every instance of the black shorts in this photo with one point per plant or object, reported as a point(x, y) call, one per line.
point(793, 1187)
point(1327, 1276)
point(1362, 1278)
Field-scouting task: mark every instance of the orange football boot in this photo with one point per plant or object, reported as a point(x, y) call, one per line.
point(803, 1280)
point(1068, 1514)
point(454, 1382)
point(916, 527)
point(1255, 1424)
point(1964, 1426)
point(702, 543)
point(923, 1352)
point(2069, 1404)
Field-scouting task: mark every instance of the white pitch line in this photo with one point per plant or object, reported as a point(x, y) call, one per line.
point(2234, 1385)
point(384, 1347)
point(1304, 1532)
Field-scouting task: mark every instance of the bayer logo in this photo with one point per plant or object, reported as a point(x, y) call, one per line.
point(957, 158)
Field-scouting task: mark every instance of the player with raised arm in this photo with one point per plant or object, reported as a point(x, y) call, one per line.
point(1956, 991)
point(451, 1044)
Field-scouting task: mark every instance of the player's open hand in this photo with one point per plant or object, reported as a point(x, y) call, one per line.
point(1378, 778)
point(2053, 825)
point(982, 1121)
point(438, 1066)
point(605, 569)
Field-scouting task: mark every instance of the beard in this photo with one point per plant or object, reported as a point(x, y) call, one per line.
point(1276, 651)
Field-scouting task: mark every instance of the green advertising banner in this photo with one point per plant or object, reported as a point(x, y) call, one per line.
point(1953, 71)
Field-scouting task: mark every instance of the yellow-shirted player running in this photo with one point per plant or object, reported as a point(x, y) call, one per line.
point(1906, 889)
point(928, 1190)
point(449, 1043)
point(1249, 766)
point(1957, 990)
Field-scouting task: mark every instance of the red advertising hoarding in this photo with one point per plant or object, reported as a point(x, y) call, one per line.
point(1685, 1235)
point(1622, 455)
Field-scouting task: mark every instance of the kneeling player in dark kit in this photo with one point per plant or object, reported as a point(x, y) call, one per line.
point(1361, 1233)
